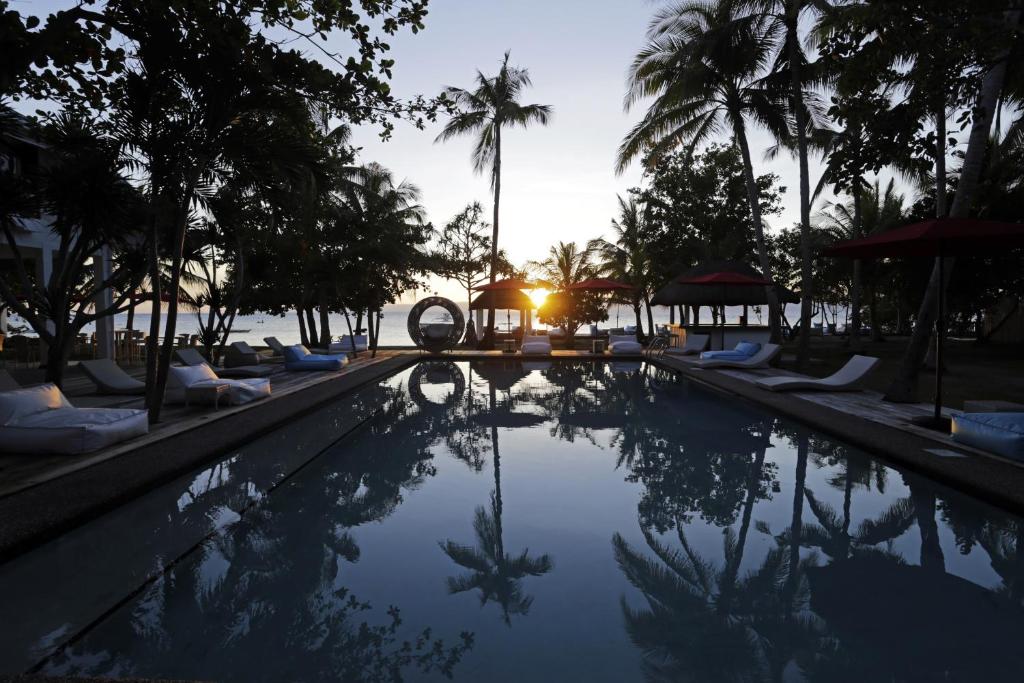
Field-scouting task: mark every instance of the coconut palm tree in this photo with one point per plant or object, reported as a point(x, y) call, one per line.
point(782, 20)
point(870, 210)
point(493, 104)
point(704, 65)
point(626, 258)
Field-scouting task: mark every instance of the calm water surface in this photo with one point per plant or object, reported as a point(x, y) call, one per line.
point(532, 522)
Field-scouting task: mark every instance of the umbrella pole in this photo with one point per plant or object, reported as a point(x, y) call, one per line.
point(940, 331)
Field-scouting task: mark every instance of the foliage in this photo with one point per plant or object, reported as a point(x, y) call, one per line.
point(567, 309)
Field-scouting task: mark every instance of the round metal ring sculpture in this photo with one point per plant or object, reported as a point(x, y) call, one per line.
point(436, 372)
point(430, 342)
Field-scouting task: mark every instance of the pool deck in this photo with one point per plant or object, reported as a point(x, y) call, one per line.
point(44, 496)
point(881, 427)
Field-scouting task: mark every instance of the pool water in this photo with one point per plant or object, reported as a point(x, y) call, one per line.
point(516, 521)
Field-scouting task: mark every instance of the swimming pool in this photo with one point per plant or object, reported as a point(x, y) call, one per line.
point(514, 521)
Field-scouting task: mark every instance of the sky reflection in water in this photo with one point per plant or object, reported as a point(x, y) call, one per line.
point(562, 521)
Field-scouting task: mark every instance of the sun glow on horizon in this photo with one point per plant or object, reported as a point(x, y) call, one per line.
point(538, 296)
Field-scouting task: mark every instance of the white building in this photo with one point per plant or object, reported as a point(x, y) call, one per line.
point(20, 154)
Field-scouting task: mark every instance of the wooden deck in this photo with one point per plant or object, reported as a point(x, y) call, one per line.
point(18, 472)
point(867, 405)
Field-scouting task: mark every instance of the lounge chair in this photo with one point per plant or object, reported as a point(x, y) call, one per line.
point(535, 346)
point(1001, 433)
point(193, 357)
point(276, 347)
point(695, 344)
point(850, 377)
point(345, 345)
point(109, 378)
point(7, 382)
point(299, 358)
point(239, 354)
point(762, 359)
point(625, 344)
point(181, 378)
point(40, 420)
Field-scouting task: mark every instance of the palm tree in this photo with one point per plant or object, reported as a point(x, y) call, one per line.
point(492, 105)
point(782, 22)
point(626, 257)
point(704, 64)
point(870, 210)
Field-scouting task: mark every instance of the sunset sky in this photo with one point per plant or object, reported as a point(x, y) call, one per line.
point(558, 182)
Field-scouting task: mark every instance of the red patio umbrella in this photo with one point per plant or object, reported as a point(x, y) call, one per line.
point(936, 238)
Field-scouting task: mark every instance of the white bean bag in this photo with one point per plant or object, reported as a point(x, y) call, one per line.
point(240, 391)
point(535, 345)
point(624, 344)
point(40, 420)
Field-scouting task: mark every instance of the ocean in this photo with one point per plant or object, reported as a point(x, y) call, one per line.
point(253, 328)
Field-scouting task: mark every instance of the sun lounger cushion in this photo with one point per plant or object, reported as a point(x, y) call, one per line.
point(240, 391)
point(40, 420)
point(109, 378)
point(623, 344)
point(298, 357)
point(346, 345)
point(275, 346)
point(1001, 433)
point(537, 345)
point(742, 351)
point(240, 354)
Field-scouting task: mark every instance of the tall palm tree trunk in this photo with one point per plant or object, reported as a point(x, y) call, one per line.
point(904, 385)
point(488, 337)
point(755, 217)
point(806, 255)
point(857, 287)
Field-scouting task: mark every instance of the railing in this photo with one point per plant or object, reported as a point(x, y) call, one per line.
point(656, 349)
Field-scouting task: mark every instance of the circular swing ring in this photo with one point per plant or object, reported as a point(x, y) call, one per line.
point(436, 372)
point(436, 339)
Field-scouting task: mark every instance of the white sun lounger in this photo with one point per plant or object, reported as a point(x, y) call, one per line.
point(694, 345)
point(761, 359)
point(850, 377)
point(240, 391)
point(624, 345)
point(109, 378)
point(536, 345)
point(40, 420)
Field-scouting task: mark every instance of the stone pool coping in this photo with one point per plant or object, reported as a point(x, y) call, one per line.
point(990, 477)
point(38, 514)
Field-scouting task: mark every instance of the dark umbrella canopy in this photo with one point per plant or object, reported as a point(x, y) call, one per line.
point(677, 293)
point(502, 299)
point(951, 236)
point(938, 237)
point(724, 277)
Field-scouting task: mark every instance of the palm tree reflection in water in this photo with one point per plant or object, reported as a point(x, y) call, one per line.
point(493, 572)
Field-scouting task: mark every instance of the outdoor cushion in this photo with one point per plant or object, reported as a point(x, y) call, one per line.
point(16, 405)
point(40, 420)
point(623, 344)
point(298, 357)
point(535, 344)
point(747, 348)
point(240, 391)
point(724, 355)
point(109, 378)
point(69, 431)
point(1001, 433)
point(276, 346)
point(345, 345)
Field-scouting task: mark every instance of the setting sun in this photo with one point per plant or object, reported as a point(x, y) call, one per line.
point(538, 296)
